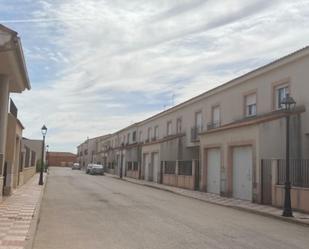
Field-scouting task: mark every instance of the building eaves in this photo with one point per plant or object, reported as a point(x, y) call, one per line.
point(238, 80)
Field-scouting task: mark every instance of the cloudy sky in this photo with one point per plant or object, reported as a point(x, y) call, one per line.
point(99, 65)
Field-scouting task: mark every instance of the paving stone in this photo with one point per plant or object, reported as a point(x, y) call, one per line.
point(16, 213)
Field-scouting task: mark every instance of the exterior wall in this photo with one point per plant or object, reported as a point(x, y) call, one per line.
point(28, 173)
point(87, 152)
point(61, 159)
point(13, 78)
point(28, 169)
point(148, 150)
point(226, 141)
point(4, 98)
point(12, 155)
point(181, 181)
point(266, 137)
point(34, 145)
point(299, 196)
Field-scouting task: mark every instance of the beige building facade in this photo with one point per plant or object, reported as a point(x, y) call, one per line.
point(227, 140)
point(13, 79)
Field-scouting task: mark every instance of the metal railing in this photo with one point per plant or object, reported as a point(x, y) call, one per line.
point(194, 133)
point(213, 125)
point(299, 172)
point(135, 166)
point(185, 168)
point(170, 167)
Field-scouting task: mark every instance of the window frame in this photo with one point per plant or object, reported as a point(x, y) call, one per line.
point(246, 95)
point(179, 121)
point(169, 124)
point(286, 82)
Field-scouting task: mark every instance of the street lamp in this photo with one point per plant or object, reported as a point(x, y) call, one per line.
point(44, 131)
point(289, 104)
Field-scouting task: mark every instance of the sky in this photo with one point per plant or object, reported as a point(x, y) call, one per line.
point(97, 66)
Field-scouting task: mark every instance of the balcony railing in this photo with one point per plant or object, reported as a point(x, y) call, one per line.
point(194, 133)
point(213, 125)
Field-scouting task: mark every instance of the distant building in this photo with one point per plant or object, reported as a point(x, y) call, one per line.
point(61, 159)
point(30, 157)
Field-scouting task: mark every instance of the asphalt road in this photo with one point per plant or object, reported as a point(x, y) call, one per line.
point(89, 212)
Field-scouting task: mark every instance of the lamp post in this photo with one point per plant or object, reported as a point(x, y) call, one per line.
point(289, 104)
point(44, 131)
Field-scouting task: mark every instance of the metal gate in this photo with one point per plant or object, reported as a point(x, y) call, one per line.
point(197, 175)
point(266, 179)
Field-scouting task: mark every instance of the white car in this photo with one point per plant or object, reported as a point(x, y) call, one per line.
point(88, 168)
point(95, 169)
point(76, 166)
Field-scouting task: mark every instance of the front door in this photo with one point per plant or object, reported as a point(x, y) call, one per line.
point(242, 173)
point(213, 170)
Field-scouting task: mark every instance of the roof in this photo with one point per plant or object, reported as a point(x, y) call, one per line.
point(16, 52)
point(61, 154)
point(238, 80)
point(6, 29)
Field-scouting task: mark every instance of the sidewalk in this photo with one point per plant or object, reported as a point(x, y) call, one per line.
point(17, 212)
point(299, 218)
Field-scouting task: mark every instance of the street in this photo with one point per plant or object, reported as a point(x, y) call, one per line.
point(88, 212)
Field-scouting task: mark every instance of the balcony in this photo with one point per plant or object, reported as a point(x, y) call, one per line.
point(194, 133)
point(213, 125)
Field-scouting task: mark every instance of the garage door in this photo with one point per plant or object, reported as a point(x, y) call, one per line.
point(148, 169)
point(155, 163)
point(213, 170)
point(242, 173)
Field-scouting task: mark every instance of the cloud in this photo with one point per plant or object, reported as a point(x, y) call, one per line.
point(97, 66)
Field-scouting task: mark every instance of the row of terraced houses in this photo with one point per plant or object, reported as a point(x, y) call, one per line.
point(18, 155)
point(229, 141)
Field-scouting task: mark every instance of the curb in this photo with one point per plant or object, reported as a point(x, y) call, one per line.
point(35, 220)
point(252, 211)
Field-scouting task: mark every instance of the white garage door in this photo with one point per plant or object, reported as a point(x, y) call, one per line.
point(148, 171)
point(242, 173)
point(155, 163)
point(213, 170)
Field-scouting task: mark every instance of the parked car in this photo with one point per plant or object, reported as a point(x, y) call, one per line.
point(89, 167)
point(96, 169)
point(76, 166)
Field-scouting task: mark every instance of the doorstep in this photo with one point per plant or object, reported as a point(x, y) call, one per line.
point(270, 211)
point(17, 214)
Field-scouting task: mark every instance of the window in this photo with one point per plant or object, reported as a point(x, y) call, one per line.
point(140, 136)
point(156, 132)
point(128, 138)
point(178, 126)
point(216, 116)
point(169, 128)
point(149, 134)
point(250, 101)
point(198, 121)
point(281, 92)
point(134, 136)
